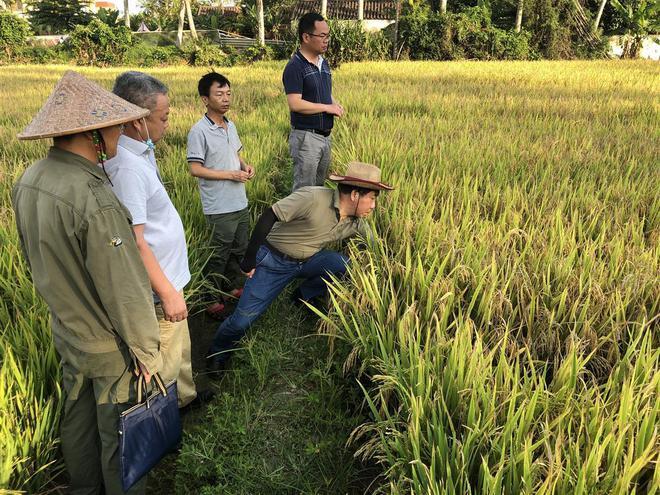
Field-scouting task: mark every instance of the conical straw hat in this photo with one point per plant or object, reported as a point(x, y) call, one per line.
point(363, 175)
point(78, 105)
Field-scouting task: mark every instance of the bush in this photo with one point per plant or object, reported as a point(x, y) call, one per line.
point(99, 44)
point(468, 34)
point(145, 55)
point(426, 36)
point(205, 54)
point(42, 55)
point(350, 43)
point(13, 33)
point(254, 53)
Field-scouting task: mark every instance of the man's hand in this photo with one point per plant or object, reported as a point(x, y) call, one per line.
point(174, 306)
point(335, 109)
point(249, 169)
point(239, 175)
point(144, 372)
point(250, 273)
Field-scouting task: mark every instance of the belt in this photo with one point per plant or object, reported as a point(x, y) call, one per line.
point(280, 254)
point(320, 132)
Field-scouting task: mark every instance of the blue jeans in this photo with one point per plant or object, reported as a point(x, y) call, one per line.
point(270, 278)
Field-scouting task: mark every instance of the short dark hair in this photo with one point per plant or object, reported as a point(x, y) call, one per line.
point(349, 188)
point(306, 23)
point(207, 80)
point(139, 88)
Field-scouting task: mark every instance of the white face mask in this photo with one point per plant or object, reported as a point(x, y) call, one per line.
point(150, 144)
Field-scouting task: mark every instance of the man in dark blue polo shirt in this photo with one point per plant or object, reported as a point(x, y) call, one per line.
point(308, 86)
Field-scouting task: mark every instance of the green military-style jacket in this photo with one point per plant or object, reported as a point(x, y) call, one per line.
point(79, 243)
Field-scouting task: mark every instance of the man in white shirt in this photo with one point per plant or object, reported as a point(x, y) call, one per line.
point(158, 229)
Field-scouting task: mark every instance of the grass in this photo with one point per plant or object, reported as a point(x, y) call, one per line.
point(280, 423)
point(505, 329)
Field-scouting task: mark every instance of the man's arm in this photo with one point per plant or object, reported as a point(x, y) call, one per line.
point(196, 155)
point(199, 170)
point(121, 281)
point(298, 105)
point(259, 234)
point(174, 306)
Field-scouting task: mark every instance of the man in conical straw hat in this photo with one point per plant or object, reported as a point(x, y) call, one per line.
point(288, 242)
point(84, 261)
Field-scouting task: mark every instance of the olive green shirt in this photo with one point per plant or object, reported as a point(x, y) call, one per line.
point(309, 221)
point(78, 241)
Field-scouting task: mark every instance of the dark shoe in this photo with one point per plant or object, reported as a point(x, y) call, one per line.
point(216, 367)
point(296, 297)
point(202, 398)
point(317, 302)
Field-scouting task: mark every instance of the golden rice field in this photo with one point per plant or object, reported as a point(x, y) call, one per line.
point(508, 318)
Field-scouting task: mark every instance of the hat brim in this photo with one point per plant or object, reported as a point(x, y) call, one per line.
point(356, 181)
point(25, 136)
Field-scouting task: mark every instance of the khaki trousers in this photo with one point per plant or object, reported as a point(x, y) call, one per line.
point(175, 350)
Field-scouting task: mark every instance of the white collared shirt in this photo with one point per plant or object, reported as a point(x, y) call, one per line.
point(137, 183)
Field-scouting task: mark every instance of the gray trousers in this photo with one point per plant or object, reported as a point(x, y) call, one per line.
point(229, 240)
point(311, 158)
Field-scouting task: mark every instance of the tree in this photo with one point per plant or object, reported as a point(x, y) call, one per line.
point(519, 13)
point(13, 32)
point(127, 16)
point(397, 19)
point(191, 20)
point(182, 20)
point(58, 16)
point(640, 18)
point(164, 13)
point(183, 9)
point(601, 8)
point(261, 32)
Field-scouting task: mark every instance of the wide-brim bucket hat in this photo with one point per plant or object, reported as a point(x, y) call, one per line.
point(363, 175)
point(78, 105)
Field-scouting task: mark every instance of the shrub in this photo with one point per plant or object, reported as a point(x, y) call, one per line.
point(145, 55)
point(468, 34)
point(13, 33)
point(205, 54)
point(253, 54)
point(42, 55)
point(99, 44)
point(350, 43)
point(426, 36)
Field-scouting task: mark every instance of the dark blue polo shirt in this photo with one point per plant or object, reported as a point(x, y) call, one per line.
point(302, 77)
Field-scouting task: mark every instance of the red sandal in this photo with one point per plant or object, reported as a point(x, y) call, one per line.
point(216, 310)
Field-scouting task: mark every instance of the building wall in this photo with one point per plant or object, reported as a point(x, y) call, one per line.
point(650, 47)
point(376, 24)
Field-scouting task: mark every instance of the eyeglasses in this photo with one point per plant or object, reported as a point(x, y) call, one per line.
point(323, 36)
point(121, 128)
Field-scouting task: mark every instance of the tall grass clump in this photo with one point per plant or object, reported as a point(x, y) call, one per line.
point(507, 324)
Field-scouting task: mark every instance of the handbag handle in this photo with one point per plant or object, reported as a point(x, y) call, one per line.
point(142, 387)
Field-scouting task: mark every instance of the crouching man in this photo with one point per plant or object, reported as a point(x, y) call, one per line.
point(288, 242)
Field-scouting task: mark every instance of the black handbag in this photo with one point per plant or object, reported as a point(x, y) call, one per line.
point(149, 430)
